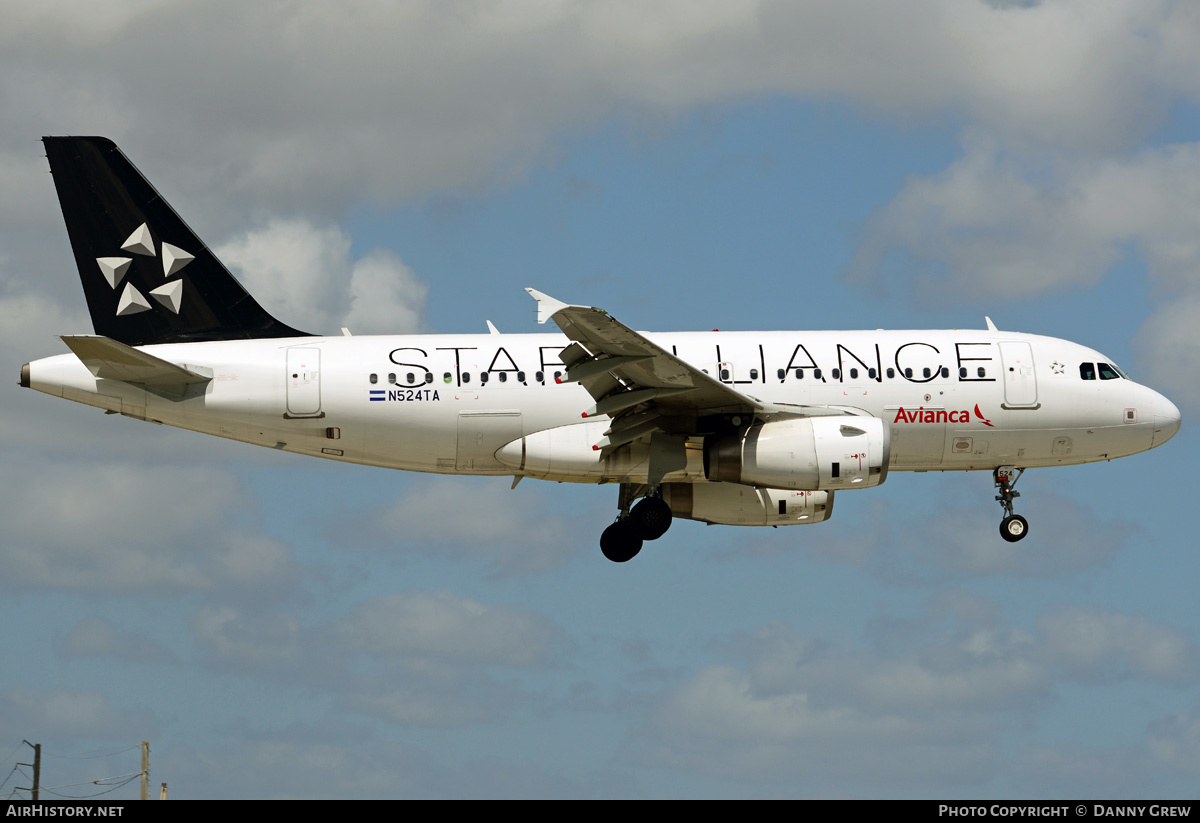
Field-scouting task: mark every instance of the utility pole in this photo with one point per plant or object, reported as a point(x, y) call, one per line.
point(145, 769)
point(37, 766)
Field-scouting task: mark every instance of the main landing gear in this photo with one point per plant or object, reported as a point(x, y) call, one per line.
point(648, 520)
point(1013, 527)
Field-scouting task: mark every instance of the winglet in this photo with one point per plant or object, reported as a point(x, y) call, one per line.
point(991, 325)
point(547, 306)
point(492, 328)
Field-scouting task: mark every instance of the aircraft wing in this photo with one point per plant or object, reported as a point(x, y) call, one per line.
point(641, 385)
point(608, 356)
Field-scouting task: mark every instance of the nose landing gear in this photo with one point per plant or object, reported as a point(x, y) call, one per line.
point(1013, 527)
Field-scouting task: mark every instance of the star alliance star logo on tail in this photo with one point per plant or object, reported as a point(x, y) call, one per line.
point(132, 301)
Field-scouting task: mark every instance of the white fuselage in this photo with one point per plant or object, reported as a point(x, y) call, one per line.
point(952, 400)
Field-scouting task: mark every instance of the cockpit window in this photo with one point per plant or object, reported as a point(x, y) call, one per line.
point(1107, 372)
point(1087, 371)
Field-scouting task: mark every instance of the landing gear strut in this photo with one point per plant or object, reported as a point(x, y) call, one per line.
point(648, 520)
point(1013, 527)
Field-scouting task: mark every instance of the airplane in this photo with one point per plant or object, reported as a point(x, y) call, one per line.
point(734, 428)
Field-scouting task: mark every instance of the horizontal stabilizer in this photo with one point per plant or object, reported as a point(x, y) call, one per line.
point(108, 359)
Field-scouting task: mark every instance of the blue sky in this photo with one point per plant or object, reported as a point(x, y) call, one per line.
point(282, 627)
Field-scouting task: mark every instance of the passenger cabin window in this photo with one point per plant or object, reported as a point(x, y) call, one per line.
point(483, 377)
point(521, 376)
point(854, 374)
point(962, 372)
point(945, 372)
point(891, 372)
point(429, 377)
point(503, 376)
point(754, 374)
point(780, 374)
point(908, 373)
point(981, 371)
point(374, 379)
point(836, 374)
point(799, 374)
point(724, 374)
point(392, 378)
point(925, 372)
point(817, 373)
point(539, 376)
point(557, 375)
point(412, 378)
point(1107, 372)
point(871, 372)
point(447, 377)
point(466, 377)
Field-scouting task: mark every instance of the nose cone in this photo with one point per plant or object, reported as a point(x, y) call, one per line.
point(1166, 421)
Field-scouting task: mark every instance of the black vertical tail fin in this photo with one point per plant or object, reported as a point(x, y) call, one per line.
point(147, 277)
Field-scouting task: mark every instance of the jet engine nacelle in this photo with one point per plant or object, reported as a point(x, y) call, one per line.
point(802, 453)
point(736, 505)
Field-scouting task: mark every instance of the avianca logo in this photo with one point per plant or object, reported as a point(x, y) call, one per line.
point(924, 415)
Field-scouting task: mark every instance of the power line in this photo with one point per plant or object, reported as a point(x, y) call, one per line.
point(10, 774)
point(107, 784)
point(91, 755)
point(14, 751)
point(101, 782)
point(98, 781)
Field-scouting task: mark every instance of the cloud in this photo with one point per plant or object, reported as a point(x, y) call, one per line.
point(69, 714)
point(1094, 646)
point(924, 703)
point(304, 275)
point(124, 527)
point(385, 296)
point(1175, 741)
point(955, 538)
point(412, 658)
point(97, 637)
point(1169, 350)
point(261, 643)
point(1002, 224)
point(417, 697)
point(314, 104)
point(444, 626)
point(479, 519)
point(331, 759)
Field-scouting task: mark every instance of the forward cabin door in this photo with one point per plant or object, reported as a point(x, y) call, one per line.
point(1020, 382)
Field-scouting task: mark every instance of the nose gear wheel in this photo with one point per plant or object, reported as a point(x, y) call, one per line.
point(1013, 527)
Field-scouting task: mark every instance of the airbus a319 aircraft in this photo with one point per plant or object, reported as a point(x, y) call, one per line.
point(735, 428)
